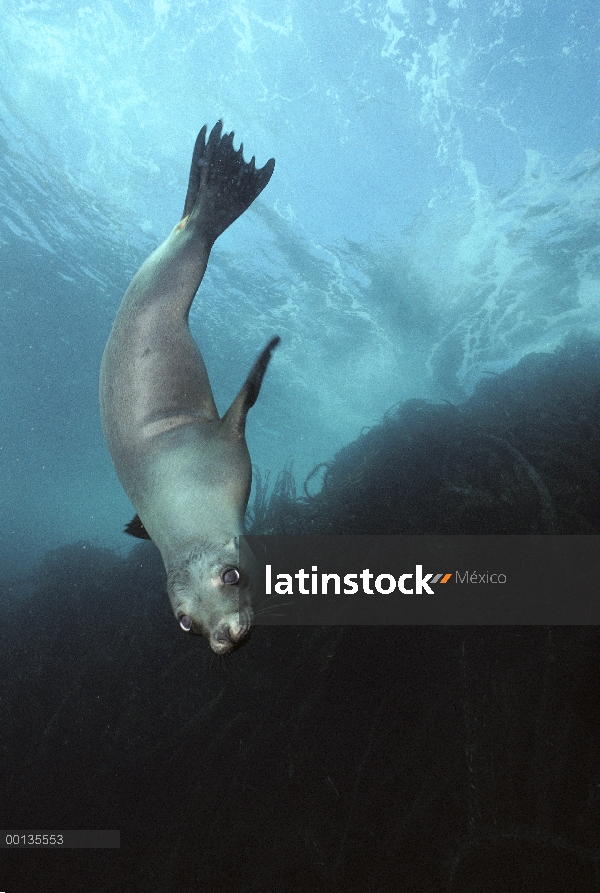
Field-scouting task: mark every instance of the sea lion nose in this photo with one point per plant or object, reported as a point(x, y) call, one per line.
point(229, 632)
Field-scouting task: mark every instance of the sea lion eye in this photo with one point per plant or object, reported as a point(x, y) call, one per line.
point(185, 623)
point(231, 576)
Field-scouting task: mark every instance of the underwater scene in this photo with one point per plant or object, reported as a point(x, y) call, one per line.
point(427, 250)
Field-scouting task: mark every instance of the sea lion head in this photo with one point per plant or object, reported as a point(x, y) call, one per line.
point(210, 592)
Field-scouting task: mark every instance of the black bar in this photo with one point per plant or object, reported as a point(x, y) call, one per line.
point(59, 840)
point(455, 580)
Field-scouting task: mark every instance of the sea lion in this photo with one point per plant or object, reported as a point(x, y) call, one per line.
point(186, 471)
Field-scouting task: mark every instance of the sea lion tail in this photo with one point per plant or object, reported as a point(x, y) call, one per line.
point(221, 185)
point(235, 417)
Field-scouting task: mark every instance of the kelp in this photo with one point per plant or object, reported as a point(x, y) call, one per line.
point(521, 456)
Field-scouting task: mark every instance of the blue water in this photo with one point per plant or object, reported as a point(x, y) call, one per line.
point(433, 216)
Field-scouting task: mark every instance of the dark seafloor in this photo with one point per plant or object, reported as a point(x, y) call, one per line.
point(366, 759)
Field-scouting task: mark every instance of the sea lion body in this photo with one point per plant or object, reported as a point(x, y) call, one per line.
point(186, 470)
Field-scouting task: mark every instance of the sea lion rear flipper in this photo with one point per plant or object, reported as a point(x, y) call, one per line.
point(136, 528)
point(195, 172)
point(221, 185)
point(235, 417)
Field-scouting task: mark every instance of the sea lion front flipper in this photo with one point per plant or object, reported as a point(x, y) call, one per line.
point(221, 185)
point(136, 528)
point(235, 417)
